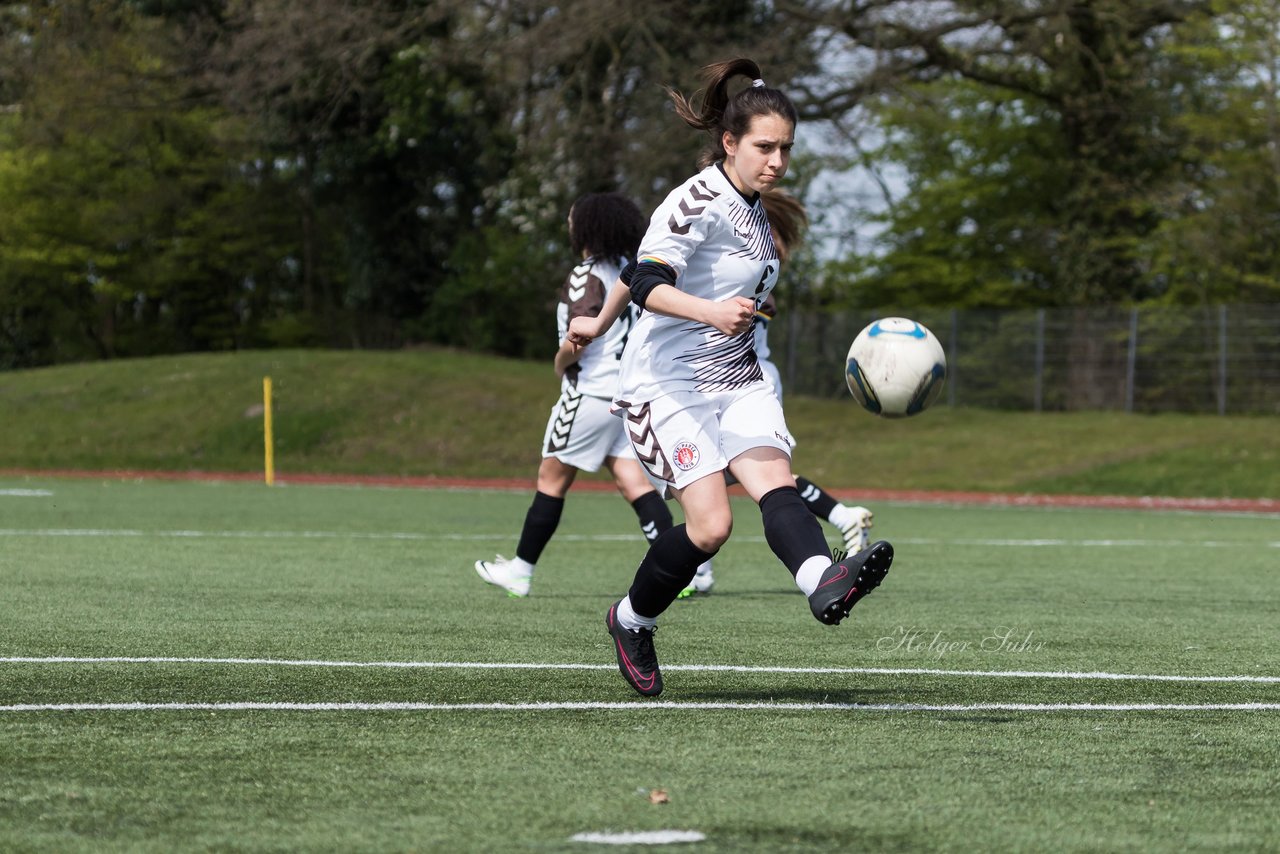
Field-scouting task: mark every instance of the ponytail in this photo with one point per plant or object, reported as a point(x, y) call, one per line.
point(787, 220)
point(720, 112)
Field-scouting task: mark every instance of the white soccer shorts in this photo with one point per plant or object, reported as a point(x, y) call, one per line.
point(684, 436)
point(582, 431)
point(772, 376)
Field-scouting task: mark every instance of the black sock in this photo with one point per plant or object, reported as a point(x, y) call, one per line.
point(653, 514)
point(820, 502)
point(667, 568)
point(540, 524)
point(790, 529)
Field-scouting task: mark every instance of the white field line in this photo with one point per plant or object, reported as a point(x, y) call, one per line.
point(702, 668)
point(1045, 542)
point(641, 706)
point(640, 837)
point(25, 493)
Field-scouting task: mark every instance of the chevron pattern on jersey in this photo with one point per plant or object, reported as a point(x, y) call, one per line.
point(645, 442)
point(721, 362)
point(566, 411)
point(691, 207)
point(577, 287)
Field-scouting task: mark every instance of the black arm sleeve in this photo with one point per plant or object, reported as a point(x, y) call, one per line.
point(647, 277)
point(627, 272)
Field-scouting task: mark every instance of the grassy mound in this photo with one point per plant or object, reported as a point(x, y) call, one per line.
point(451, 414)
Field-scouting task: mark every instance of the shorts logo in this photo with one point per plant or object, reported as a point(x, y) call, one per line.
point(685, 456)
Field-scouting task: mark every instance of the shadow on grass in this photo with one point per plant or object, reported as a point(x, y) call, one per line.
point(817, 696)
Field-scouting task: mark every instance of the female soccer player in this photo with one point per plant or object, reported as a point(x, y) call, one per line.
point(787, 219)
point(581, 435)
point(691, 390)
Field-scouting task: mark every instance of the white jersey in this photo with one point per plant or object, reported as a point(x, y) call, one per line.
point(583, 294)
point(719, 245)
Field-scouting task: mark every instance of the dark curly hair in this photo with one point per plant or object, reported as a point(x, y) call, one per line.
point(606, 225)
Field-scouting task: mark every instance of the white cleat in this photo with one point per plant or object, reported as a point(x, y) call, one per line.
point(855, 534)
point(500, 573)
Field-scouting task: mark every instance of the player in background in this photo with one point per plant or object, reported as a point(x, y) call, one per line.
point(582, 434)
point(691, 390)
point(787, 220)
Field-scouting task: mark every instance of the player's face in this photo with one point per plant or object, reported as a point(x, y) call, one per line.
point(758, 159)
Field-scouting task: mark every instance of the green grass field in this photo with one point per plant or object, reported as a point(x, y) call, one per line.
point(1025, 680)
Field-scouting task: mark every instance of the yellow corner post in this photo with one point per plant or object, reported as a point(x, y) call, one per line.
point(267, 442)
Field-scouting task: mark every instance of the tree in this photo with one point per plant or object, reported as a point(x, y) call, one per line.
point(582, 84)
point(1222, 243)
point(1062, 99)
point(118, 203)
point(977, 226)
point(193, 174)
point(586, 80)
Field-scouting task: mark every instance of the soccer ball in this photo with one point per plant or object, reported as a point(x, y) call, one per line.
point(895, 367)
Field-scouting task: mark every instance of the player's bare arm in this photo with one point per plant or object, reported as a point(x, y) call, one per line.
point(732, 316)
point(566, 357)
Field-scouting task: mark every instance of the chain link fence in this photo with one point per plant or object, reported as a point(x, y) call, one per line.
point(1216, 359)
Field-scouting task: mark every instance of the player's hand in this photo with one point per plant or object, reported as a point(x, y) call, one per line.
point(732, 316)
point(582, 331)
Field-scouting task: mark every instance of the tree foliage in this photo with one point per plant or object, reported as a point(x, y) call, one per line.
point(126, 227)
point(218, 174)
point(1218, 241)
point(1041, 141)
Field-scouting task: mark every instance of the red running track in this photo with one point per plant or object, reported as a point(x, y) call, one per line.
point(922, 496)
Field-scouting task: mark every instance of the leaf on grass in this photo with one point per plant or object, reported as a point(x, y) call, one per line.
point(659, 796)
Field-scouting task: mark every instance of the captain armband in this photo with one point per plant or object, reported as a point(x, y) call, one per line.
point(648, 275)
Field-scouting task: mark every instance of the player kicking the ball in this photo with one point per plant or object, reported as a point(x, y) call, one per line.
point(787, 219)
point(691, 390)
